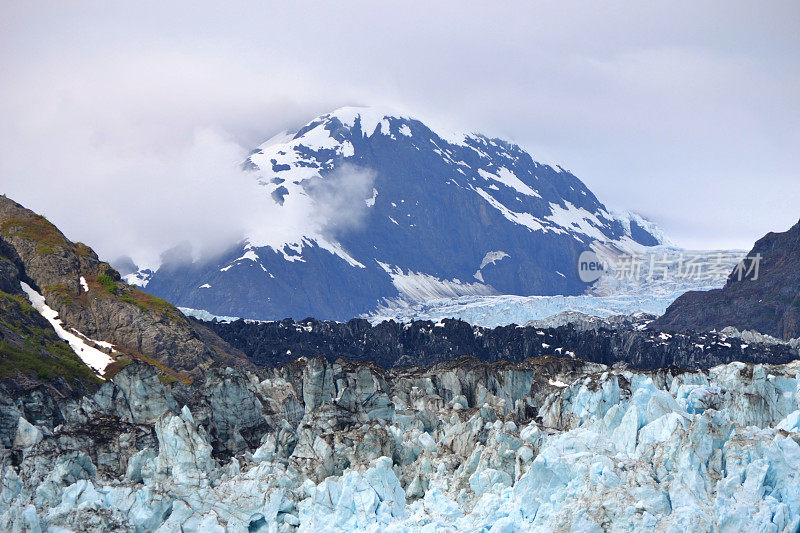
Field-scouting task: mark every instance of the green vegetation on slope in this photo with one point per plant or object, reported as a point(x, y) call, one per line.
point(37, 228)
point(134, 296)
point(29, 345)
point(108, 284)
point(44, 256)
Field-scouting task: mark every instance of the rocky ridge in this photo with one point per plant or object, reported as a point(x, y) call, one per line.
point(768, 303)
point(615, 341)
point(90, 297)
point(465, 445)
point(28, 344)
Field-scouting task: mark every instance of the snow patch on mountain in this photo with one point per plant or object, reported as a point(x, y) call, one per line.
point(523, 219)
point(416, 286)
point(577, 218)
point(492, 258)
point(140, 278)
point(338, 250)
point(419, 287)
point(371, 200)
point(94, 358)
point(509, 179)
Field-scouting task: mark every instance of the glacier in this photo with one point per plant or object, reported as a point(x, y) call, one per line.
point(612, 294)
point(502, 310)
point(547, 444)
point(426, 298)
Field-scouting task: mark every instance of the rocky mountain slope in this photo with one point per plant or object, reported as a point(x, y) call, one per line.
point(769, 304)
point(419, 213)
point(94, 304)
point(390, 344)
point(36, 366)
point(463, 445)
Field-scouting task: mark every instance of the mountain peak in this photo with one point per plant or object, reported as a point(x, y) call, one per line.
point(367, 117)
point(423, 208)
point(370, 120)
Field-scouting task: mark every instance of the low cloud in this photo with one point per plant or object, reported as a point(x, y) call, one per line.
point(138, 202)
point(129, 138)
point(339, 199)
point(137, 155)
point(141, 154)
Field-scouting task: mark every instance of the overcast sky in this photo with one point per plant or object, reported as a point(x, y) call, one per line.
point(123, 121)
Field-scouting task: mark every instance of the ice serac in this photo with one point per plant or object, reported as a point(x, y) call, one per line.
point(95, 309)
point(440, 214)
point(461, 445)
point(763, 296)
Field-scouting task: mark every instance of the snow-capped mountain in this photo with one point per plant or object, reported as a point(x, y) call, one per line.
point(392, 208)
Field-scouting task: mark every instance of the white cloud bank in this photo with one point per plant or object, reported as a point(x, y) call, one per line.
point(125, 123)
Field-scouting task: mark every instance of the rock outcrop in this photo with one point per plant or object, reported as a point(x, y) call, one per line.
point(392, 344)
point(462, 445)
point(90, 297)
point(769, 304)
point(37, 368)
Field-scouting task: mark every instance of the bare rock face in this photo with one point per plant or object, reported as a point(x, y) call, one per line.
point(769, 304)
point(423, 342)
point(102, 306)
